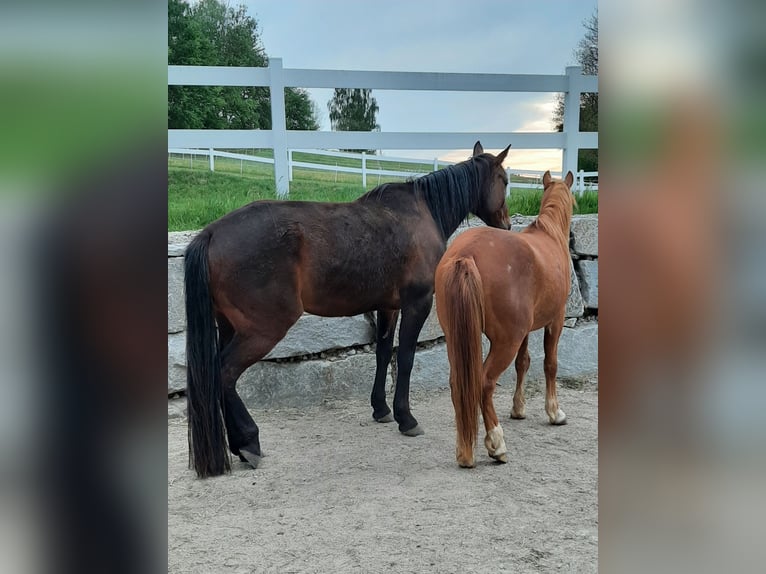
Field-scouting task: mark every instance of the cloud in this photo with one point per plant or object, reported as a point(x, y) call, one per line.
point(531, 159)
point(540, 114)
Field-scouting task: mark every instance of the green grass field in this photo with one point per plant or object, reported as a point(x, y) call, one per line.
point(197, 196)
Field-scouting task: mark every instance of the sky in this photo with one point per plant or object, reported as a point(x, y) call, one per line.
point(481, 36)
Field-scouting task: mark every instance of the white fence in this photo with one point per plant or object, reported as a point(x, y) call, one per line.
point(580, 184)
point(280, 139)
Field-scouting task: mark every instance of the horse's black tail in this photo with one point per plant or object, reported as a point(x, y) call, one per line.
point(208, 451)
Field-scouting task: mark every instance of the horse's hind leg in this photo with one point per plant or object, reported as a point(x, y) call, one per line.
point(550, 344)
point(522, 365)
point(232, 414)
point(498, 360)
point(241, 352)
point(385, 329)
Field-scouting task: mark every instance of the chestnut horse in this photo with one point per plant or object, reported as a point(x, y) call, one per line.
point(253, 272)
point(505, 285)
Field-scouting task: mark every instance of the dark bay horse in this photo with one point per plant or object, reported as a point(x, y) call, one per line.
point(253, 272)
point(505, 285)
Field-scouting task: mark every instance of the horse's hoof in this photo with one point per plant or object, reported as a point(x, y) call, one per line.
point(414, 431)
point(466, 464)
point(561, 418)
point(518, 416)
point(389, 418)
point(503, 458)
point(249, 457)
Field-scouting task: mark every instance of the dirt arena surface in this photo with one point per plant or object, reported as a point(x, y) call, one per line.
point(338, 492)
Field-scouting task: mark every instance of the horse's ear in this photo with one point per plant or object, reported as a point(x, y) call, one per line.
point(546, 179)
point(569, 179)
point(501, 156)
point(477, 149)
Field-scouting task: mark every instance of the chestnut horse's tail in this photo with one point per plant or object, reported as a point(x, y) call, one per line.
point(463, 303)
point(208, 453)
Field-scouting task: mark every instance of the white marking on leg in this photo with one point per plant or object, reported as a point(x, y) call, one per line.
point(495, 443)
point(561, 418)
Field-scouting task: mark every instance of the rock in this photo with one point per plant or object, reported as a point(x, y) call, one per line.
point(577, 358)
point(577, 353)
point(177, 408)
point(585, 230)
point(176, 312)
point(587, 271)
point(430, 369)
point(176, 249)
point(313, 334)
point(176, 363)
point(574, 306)
point(183, 237)
point(268, 384)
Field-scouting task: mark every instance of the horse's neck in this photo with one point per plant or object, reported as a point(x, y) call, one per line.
point(453, 228)
point(450, 203)
point(555, 221)
point(447, 220)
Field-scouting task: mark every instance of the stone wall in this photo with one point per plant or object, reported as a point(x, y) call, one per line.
point(334, 358)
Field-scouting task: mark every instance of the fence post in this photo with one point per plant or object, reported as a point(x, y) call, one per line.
point(436, 164)
point(581, 182)
point(212, 159)
point(279, 127)
point(571, 120)
point(364, 170)
point(508, 187)
point(290, 163)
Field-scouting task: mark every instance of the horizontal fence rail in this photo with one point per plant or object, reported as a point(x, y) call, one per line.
point(281, 140)
point(427, 81)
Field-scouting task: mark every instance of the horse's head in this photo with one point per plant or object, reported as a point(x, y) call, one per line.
point(549, 188)
point(492, 208)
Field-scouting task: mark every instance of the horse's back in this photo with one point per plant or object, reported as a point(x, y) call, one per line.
point(494, 250)
point(523, 280)
point(341, 258)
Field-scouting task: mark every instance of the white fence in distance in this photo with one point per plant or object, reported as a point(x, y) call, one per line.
point(579, 187)
point(280, 139)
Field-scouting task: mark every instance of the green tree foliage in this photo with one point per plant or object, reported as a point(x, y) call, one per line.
point(211, 33)
point(353, 110)
point(586, 55)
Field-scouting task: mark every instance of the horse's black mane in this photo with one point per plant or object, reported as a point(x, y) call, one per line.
point(451, 193)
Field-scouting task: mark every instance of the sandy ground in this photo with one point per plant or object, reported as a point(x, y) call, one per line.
point(337, 492)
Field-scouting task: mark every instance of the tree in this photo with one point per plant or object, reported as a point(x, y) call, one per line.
point(211, 33)
point(190, 108)
point(586, 55)
point(353, 110)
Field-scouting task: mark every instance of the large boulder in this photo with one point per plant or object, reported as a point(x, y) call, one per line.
point(585, 231)
point(313, 334)
point(587, 271)
point(176, 312)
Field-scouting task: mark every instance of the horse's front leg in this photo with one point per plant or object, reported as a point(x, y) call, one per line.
point(414, 314)
point(518, 411)
point(385, 329)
